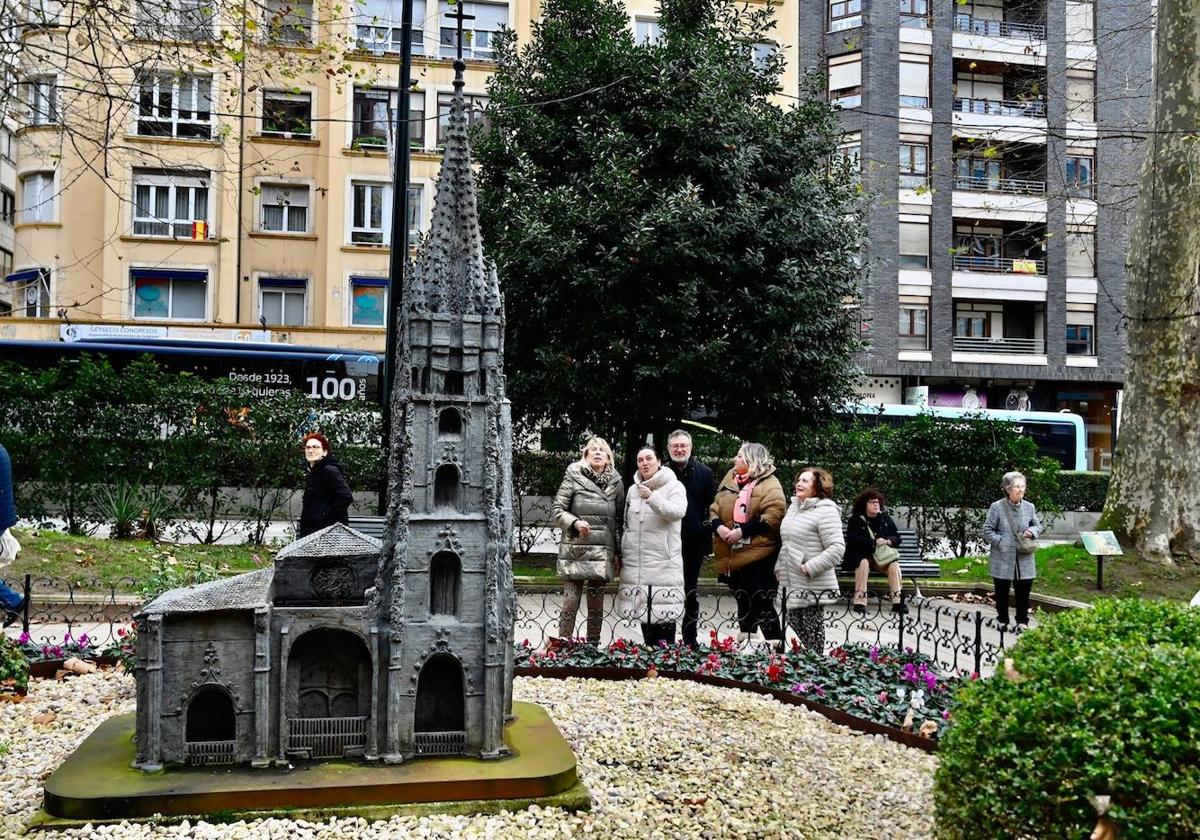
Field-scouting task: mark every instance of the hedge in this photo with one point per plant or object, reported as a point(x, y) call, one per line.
point(1106, 702)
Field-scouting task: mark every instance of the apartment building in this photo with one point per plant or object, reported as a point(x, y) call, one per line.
point(999, 142)
point(228, 170)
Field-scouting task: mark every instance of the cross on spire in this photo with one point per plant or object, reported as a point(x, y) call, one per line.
point(459, 15)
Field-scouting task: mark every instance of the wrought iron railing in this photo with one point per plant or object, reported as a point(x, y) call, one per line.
point(328, 737)
point(984, 183)
point(205, 753)
point(955, 636)
point(440, 743)
point(999, 28)
point(999, 265)
point(1001, 107)
point(967, 344)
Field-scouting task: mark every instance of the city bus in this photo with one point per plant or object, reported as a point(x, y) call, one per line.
point(1058, 435)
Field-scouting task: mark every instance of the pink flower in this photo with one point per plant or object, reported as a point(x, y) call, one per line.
point(883, 697)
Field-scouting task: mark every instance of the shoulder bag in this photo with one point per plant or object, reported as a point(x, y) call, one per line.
point(885, 554)
point(1025, 545)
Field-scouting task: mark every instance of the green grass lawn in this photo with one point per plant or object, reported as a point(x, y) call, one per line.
point(1063, 570)
point(1066, 571)
point(120, 563)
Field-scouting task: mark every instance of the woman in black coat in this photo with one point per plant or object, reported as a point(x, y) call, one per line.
point(327, 496)
point(869, 528)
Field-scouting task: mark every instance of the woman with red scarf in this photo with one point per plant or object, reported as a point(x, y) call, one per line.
point(744, 519)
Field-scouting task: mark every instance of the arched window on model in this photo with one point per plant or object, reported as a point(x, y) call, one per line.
point(450, 423)
point(447, 488)
point(445, 572)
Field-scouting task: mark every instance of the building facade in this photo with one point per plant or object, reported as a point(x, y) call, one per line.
point(999, 144)
point(229, 170)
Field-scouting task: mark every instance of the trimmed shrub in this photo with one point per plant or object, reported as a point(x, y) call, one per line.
point(1108, 704)
point(1082, 490)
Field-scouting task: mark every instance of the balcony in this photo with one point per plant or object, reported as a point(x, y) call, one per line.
point(1005, 346)
point(999, 28)
point(985, 183)
point(999, 264)
point(1034, 109)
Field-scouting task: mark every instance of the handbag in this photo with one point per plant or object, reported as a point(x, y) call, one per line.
point(1025, 545)
point(884, 554)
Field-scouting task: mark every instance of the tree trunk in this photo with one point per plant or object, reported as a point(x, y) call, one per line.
point(1154, 495)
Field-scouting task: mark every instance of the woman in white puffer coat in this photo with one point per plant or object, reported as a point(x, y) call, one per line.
point(813, 545)
point(651, 588)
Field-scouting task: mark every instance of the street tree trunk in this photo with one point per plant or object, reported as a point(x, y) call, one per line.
point(1154, 495)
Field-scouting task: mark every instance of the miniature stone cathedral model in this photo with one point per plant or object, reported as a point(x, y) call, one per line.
point(351, 647)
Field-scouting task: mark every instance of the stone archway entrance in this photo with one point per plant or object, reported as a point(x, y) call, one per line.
point(210, 727)
point(439, 726)
point(329, 694)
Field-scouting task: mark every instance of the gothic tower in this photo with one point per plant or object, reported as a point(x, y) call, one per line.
point(444, 592)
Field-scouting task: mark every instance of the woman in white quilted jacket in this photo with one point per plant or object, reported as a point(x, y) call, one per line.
point(813, 545)
point(651, 589)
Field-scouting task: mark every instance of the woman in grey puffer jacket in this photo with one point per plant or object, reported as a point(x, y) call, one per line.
point(1006, 519)
point(813, 545)
point(585, 508)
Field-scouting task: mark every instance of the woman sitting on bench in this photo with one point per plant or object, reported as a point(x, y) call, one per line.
point(871, 542)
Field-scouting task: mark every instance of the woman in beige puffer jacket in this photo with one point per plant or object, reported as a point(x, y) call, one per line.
point(585, 508)
point(651, 589)
point(813, 545)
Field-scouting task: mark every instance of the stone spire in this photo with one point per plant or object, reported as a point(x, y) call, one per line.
point(450, 268)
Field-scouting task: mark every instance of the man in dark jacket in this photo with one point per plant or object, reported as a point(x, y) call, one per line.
point(327, 496)
point(10, 600)
point(697, 540)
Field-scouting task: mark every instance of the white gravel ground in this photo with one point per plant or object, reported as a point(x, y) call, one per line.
point(662, 760)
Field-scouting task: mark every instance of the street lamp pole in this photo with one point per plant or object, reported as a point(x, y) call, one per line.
point(399, 245)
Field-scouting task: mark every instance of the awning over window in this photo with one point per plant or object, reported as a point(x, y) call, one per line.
point(168, 274)
point(369, 281)
point(27, 275)
point(282, 282)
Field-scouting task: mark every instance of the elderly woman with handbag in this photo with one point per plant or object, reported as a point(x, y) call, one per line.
point(872, 540)
point(585, 508)
point(1012, 528)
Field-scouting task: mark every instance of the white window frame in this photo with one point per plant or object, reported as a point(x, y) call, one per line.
point(902, 254)
point(1088, 239)
point(913, 66)
point(471, 34)
point(157, 83)
point(365, 234)
point(844, 14)
point(1081, 315)
point(41, 96)
point(171, 283)
point(284, 293)
point(380, 34)
point(40, 207)
point(43, 13)
point(647, 29)
point(172, 182)
point(272, 195)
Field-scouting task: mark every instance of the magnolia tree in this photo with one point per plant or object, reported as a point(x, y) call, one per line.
point(670, 238)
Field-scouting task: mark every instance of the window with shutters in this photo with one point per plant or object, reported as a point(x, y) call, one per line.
point(284, 208)
point(845, 80)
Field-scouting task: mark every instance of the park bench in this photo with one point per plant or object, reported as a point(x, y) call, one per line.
point(372, 526)
point(913, 565)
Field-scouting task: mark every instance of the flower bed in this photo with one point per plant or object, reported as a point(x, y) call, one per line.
point(874, 684)
point(45, 658)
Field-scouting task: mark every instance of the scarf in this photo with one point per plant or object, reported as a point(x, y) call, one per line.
point(741, 508)
point(602, 479)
